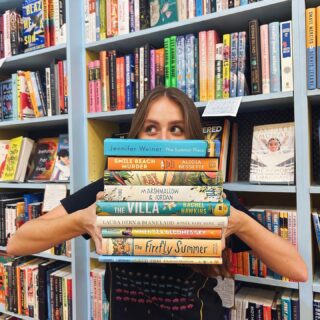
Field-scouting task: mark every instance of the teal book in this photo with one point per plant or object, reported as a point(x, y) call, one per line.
point(163, 12)
point(181, 208)
point(155, 148)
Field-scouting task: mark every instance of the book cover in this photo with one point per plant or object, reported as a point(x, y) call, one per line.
point(163, 178)
point(33, 26)
point(274, 55)
point(159, 148)
point(61, 170)
point(163, 12)
point(273, 154)
point(286, 56)
point(44, 159)
point(189, 64)
point(4, 149)
point(169, 164)
point(6, 99)
point(234, 64)
point(154, 208)
point(181, 63)
point(161, 247)
point(181, 233)
point(163, 193)
point(226, 65)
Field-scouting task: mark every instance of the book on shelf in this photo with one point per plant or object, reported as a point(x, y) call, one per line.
point(273, 154)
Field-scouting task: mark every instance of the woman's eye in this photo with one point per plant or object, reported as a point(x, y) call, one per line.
point(176, 130)
point(151, 129)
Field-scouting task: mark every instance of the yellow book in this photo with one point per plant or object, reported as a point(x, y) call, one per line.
point(12, 160)
point(311, 27)
point(226, 65)
point(32, 93)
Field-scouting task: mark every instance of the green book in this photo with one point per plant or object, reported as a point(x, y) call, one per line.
point(167, 62)
point(173, 56)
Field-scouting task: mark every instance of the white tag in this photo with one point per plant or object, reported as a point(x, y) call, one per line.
point(222, 107)
point(2, 61)
point(225, 289)
point(53, 194)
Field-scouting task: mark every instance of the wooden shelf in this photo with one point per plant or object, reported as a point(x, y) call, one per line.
point(226, 21)
point(268, 281)
point(36, 123)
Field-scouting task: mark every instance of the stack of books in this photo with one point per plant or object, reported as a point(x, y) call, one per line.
point(162, 203)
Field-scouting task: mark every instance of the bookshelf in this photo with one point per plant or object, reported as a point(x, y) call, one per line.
point(86, 130)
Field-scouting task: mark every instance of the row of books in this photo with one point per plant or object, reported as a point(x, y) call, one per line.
point(46, 160)
point(201, 66)
point(29, 94)
point(280, 221)
point(17, 208)
point(170, 201)
point(108, 18)
point(313, 45)
point(258, 303)
point(36, 287)
point(37, 24)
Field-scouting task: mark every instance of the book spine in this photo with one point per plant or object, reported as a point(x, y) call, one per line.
point(146, 71)
point(161, 247)
point(170, 260)
point(108, 17)
point(173, 60)
point(242, 64)
point(191, 9)
point(137, 76)
point(114, 18)
point(219, 71)
point(274, 55)
point(163, 193)
point(129, 63)
point(196, 71)
point(234, 64)
point(265, 66)
point(91, 85)
point(181, 64)
point(103, 79)
point(203, 66)
point(122, 73)
point(154, 208)
point(162, 233)
point(144, 14)
point(97, 86)
point(131, 16)
point(189, 54)
point(170, 164)
point(123, 14)
point(136, 15)
point(199, 11)
point(212, 38)
point(103, 20)
point(226, 65)
point(167, 62)
point(318, 45)
point(152, 68)
point(113, 80)
point(107, 78)
point(255, 57)
point(61, 87)
point(286, 56)
point(141, 73)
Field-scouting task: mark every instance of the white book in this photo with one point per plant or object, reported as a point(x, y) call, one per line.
point(286, 56)
point(191, 9)
point(48, 92)
point(25, 152)
point(123, 17)
point(182, 10)
point(136, 15)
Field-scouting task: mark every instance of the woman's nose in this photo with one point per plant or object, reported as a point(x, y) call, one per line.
point(164, 135)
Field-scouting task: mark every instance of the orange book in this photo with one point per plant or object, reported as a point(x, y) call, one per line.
point(245, 263)
point(32, 93)
point(120, 83)
point(103, 78)
point(114, 17)
point(168, 164)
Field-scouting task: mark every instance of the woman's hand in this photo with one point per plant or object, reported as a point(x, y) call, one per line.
point(90, 227)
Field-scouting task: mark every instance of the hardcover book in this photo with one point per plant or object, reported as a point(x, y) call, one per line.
point(273, 154)
point(163, 178)
point(6, 99)
point(33, 26)
point(163, 12)
point(159, 148)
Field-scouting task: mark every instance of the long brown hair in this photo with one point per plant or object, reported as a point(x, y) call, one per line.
point(193, 130)
point(192, 124)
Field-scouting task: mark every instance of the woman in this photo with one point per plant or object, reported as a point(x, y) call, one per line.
point(153, 291)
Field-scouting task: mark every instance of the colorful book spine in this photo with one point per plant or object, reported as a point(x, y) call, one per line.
point(129, 78)
point(163, 193)
point(152, 259)
point(318, 46)
point(255, 57)
point(212, 38)
point(190, 76)
point(169, 164)
point(196, 71)
point(154, 208)
point(173, 60)
point(226, 65)
point(103, 78)
point(199, 8)
point(234, 64)
point(159, 148)
point(219, 71)
point(123, 14)
point(274, 55)
point(152, 68)
point(311, 39)
point(265, 66)
point(286, 56)
point(161, 247)
point(181, 64)
point(97, 86)
point(167, 64)
point(179, 233)
point(203, 66)
point(242, 65)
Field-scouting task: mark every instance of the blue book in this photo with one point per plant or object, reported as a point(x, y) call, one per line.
point(181, 63)
point(33, 26)
point(155, 148)
point(243, 2)
point(189, 46)
point(14, 96)
point(97, 20)
point(199, 11)
point(234, 64)
point(274, 56)
point(196, 69)
point(129, 66)
point(6, 99)
point(29, 198)
point(286, 304)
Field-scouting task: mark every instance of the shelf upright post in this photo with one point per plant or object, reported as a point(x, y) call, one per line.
point(302, 131)
point(78, 149)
